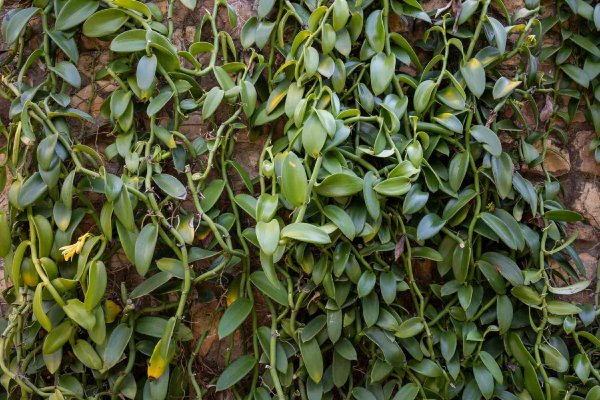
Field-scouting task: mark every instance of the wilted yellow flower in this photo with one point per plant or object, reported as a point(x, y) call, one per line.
point(69, 251)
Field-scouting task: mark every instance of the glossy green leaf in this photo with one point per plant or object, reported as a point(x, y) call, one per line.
point(117, 341)
point(234, 316)
point(503, 87)
point(339, 185)
point(474, 75)
point(74, 12)
point(17, 22)
point(294, 182)
point(382, 71)
point(104, 22)
point(429, 226)
point(145, 72)
point(305, 233)
point(235, 372)
point(170, 185)
point(313, 359)
point(341, 219)
point(375, 31)
point(488, 139)
point(144, 248)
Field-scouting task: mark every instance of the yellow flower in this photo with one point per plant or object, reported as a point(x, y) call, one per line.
point(69, 251)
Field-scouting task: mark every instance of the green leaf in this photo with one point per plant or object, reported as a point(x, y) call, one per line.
point(504, 311)
point(484, 380)
point(68, 72)
point(145, 72)
point(158, 102)
point(135, 5)
point(457, 170)
point(407, 392)
point(97, 283)
point(32, 190)
point(582, 366)
point(76, 310)
point(570, 289)
point(38, 309)
point(313, 135)
point(415, 200)
point(339, 185)
point(503, 87)
point(57, 337)
point(563, 216)
point(448, 344)
point(144, 248)
point(554, 358)
point(492, 366)
point(234, 316)
point(211, 194)
point(429, 226)
point(577, 74)
point(17, 23)
point(313, 327)
point(474, 76)
point(75, 12)
point(265, 7)
point(313, 359)
point(488, 138)
point(388, 286)
point(150, 284)
point(129, 41)
point(423, 95)
point(341, 13)
point(248, 94)
point(311, 61)
point(382, 71)
point(67, 44)
point(304, 232)
point(235, 372)
point(267, 234)
point(428, 368)
point(116, 344)
point(104, 22)
point(190, 4)
point(361, 393)
point(366, 284)
point(393, 187)
point(451, 97)
point(525, 188)
point(212, 101)
point(499, 228)
point(341, 219)
point(266, 207)
point(370, 196)
point(294, 182)
point(558, 307)
point(277, 293)
point(328, 38)
point(449, 121)
point(375, 31)
point(87, 355)
point(246, 203)
point(499, 34)
point(170, 185)
point(507, 267)
point(173, 266)
point(409, 328)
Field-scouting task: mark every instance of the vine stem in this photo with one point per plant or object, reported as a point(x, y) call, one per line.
point(311, 183)
point(475, 37)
